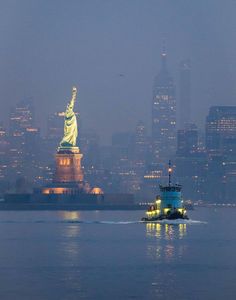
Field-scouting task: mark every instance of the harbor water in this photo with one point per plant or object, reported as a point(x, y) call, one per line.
point(111, 255)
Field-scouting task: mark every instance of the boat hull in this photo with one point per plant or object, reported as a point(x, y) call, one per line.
point(174, 216)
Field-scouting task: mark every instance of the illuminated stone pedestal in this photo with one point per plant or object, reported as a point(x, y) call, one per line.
point(68, 166)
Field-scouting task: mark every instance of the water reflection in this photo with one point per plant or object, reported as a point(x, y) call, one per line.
point(70, 215)
point(72, 230)
point(70, 233)
point(169, 232)
point(70, 251)
point(153, 229)
point(164, 241)
point(182, 230)
point(166, 231)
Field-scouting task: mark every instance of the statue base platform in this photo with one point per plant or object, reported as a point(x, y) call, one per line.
point(68, 165)
point(68, 150)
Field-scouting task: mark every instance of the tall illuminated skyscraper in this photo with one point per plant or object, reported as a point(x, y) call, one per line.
point(221, 129)
point(55, 126)
point(140, 148)
point(24, 141)
point(184, 106)
point(21, 117)
point(221, 149)
point(50, 142)
point(163, 114)
point(3, 153)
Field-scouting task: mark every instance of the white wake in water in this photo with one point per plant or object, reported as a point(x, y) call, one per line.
point(177, 222)
point(102, 222)
point(169, 222)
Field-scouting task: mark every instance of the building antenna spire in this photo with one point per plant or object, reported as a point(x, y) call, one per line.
point(163, 53)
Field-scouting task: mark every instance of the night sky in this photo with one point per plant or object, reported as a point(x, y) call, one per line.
point(111, 51)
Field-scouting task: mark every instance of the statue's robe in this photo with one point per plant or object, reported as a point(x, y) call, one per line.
point(70, 127)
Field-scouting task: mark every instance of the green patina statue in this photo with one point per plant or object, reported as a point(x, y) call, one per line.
point(70, 125)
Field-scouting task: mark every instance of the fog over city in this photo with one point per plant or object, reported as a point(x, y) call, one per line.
point(117, 149)
point(111, 50)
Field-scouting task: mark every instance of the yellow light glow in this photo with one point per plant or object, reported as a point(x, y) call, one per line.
point(166, 210)
point(97, 191)
point(153, 229)
point(46, 191)
point(182, 230)
point(153, 212)
point(32, 129)
point(56, 190)
point(158, 230)
point(166, 228)
point(71, 215)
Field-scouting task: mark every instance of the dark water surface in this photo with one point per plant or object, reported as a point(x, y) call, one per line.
point(66, 255)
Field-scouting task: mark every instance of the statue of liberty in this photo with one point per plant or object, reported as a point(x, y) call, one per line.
point(70, 125)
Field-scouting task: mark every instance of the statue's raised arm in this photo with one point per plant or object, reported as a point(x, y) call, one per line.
point(70, 125)
point(73, 98)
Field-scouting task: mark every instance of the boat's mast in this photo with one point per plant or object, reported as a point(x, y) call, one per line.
point(169, 172)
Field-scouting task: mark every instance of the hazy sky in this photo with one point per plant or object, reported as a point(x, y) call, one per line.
point(49, 45)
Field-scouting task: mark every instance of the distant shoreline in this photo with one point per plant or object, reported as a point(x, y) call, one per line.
point(68, 207)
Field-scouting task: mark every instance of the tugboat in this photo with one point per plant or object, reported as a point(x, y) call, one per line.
point(169, 205)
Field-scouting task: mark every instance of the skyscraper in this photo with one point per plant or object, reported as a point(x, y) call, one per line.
point(221, 148)
point(122, 154)
point(140, 150)
point(221, 129)
point(32, 155)
point(90, 147)
point(24, 140)
point(21, 118)
point(163, 114)
point(55, 126)
point(184, 106)
point(191, 163)
point(53, 136)
point(3, 153)
point(139, 158)
point(187, 140)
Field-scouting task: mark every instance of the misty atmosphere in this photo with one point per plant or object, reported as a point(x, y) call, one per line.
point(118, 54)
point(117, 149)
point(111, 51)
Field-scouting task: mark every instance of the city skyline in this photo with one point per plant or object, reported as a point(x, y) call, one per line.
point(126, 135)
point(129, 163)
